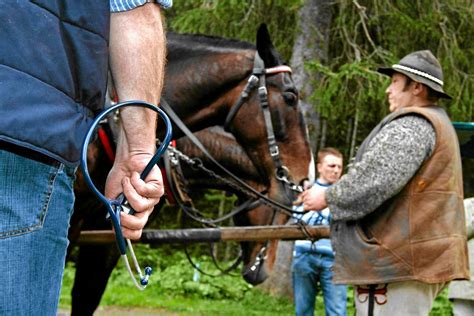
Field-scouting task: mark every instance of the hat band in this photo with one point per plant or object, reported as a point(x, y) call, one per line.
point(419, 73)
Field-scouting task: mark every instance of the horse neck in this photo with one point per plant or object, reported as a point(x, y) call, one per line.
point(202, 88)
point(224, 148)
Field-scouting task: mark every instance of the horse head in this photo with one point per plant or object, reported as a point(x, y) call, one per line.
point(249, 90)
point(292, 162)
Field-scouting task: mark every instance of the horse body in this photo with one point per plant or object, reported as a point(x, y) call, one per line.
point(204, 79)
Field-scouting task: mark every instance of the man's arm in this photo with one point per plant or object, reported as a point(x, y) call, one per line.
point(393, 157)
point(137, 59)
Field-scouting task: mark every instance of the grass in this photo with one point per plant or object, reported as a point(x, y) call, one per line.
point(121, 293)
point(172, 289)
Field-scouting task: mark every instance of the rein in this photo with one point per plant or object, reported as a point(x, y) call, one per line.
point(265, 199)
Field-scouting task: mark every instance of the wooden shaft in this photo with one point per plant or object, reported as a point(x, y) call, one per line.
point(262, 233)
point(193, 235)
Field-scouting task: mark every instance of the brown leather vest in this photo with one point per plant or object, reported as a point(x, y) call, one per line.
point(419, 234)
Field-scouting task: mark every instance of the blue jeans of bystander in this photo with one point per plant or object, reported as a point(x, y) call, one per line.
point(36, 201)
point(308, 269)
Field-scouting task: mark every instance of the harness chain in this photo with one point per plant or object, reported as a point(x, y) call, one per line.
point(197, 163)
point(193, 212)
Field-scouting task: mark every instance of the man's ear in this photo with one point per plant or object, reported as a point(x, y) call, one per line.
point(419, 89)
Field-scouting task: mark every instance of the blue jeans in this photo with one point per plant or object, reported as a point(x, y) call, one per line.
point(36, 202)
point(309, 268)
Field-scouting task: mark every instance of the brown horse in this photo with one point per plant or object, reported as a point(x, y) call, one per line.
point(205, 77)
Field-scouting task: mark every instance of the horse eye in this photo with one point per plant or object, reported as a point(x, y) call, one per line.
point(290, 98)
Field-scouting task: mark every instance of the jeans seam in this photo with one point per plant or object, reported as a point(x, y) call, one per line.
point(55, 170)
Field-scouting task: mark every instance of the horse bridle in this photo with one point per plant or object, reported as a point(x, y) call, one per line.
point(258, 77)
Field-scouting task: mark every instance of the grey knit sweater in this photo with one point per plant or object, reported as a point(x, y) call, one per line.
point(392, 158)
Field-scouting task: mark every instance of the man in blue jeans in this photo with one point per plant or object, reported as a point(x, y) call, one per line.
point(54, 59)
point(313, 261)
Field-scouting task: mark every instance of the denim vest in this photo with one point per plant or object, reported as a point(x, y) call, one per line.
point(53, 73)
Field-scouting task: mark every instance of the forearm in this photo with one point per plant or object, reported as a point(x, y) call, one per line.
point(392, 159)
point(137, 59)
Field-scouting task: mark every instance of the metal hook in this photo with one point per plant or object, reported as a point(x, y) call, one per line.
point(120, 204)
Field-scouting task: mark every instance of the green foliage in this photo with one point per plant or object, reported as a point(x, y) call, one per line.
point(364, 35)
point(353, 89)
point(442, 305)
point(238, 19)
point(367, 34)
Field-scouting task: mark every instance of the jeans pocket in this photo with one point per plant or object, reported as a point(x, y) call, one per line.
point(26, 187)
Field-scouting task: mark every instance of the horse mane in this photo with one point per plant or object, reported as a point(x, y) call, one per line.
point(197, 44)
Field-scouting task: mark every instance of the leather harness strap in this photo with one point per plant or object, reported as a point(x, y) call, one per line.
point(166, 107)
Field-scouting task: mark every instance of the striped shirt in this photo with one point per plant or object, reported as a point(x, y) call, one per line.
point(125, 5)
point(314, 218)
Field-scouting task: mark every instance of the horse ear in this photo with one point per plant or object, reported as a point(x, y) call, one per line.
point(265, 47)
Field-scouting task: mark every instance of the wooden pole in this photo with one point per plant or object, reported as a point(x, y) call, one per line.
point(193, 235)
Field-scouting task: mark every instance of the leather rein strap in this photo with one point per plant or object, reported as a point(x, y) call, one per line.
point(172, 115)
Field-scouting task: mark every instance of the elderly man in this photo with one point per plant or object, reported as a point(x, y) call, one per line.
point(398, 216)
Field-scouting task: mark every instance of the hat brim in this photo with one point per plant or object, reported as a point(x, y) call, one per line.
point(439, 89)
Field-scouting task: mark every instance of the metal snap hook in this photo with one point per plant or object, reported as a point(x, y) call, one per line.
point(116, 206)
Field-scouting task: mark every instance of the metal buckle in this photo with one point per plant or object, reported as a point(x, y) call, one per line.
point(274, 151)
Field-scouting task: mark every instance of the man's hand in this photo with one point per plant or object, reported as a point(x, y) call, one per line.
point(314, 198)
point(142, 195)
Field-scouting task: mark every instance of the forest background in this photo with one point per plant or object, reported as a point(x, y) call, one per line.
point(334, 48)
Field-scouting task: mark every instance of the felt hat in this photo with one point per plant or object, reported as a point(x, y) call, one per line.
point(420, 66)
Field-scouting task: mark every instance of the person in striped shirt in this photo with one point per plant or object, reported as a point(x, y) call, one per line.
point(313, 261)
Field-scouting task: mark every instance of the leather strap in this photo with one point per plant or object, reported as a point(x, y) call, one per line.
point(177, 121)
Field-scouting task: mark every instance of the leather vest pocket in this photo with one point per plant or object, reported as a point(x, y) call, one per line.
point(365, 235)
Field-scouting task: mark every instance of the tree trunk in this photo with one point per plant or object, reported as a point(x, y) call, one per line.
point(311, 44)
